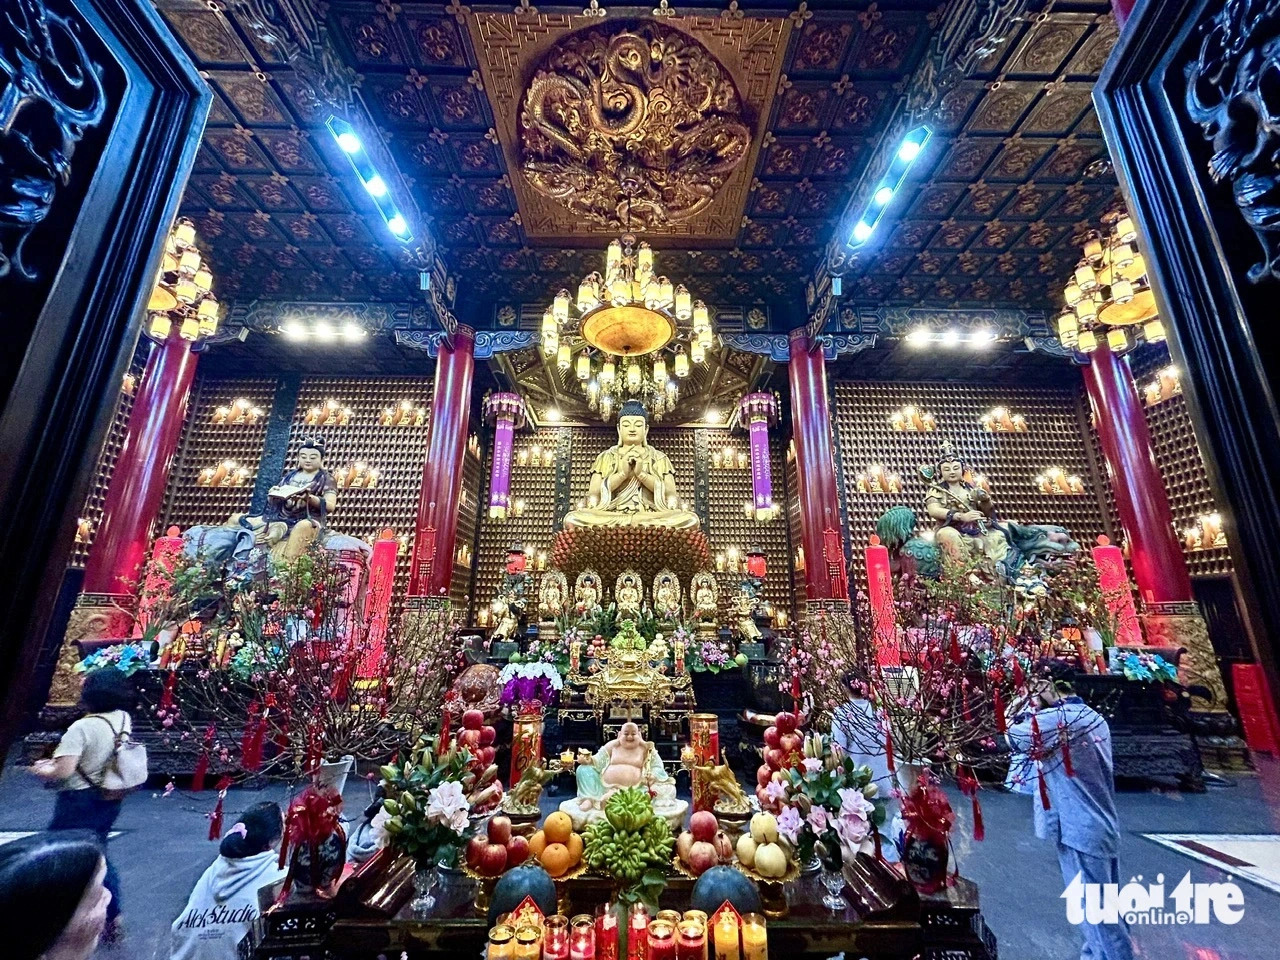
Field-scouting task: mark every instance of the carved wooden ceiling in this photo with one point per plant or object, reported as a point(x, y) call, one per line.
point(1015, 170)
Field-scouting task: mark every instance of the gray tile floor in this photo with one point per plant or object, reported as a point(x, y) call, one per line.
point(161, 851)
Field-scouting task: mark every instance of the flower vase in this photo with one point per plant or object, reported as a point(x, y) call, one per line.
point(833, 882)
point(424, 901)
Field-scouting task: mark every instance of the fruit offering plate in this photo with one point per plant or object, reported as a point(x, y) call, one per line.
point(793, 873)
point(573, 873)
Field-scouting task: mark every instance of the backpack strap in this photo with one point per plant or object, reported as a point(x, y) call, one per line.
point(117, 739)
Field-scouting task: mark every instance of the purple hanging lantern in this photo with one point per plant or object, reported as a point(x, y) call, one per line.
point(759, 411)
point(507, 412)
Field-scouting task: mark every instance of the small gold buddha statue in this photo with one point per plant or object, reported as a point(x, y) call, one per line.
point(632, 484)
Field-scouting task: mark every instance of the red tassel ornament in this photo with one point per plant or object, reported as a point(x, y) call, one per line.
point(969, 786)
point(202, 762)
point(1064, 738)
point(215, 819)
point(888, 746)
point(1044, 788)
point(166, 697)
point(1019, 675)
point(997, 702)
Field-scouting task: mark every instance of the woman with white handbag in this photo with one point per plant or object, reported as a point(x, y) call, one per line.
point(95, 765)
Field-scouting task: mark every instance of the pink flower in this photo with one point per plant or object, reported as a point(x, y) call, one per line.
point(790, 824)
point(818, 818)
point(854, 805)
point(775, 790)
point(812, 764)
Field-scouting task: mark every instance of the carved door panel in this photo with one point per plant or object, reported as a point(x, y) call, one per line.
point(1192, 118)
point(100, 116)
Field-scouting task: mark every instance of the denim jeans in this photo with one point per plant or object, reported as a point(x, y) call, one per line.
point(88, 810)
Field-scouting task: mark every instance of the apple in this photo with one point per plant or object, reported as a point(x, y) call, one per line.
point(786, 722)
point(774, 757)
point(703, 826)
point(723, 845)
point(475, 849)
point(493, 860)
point(764, 773)
point(517, 851)
point(683, 844)
point(702, 857)
point(500, 830)
point(473, 720)
point(791, 743)
point(763, 797)
point(487, 735)
point(486, 754)
point(746, 850)
point(772, 738)
point(470, 740)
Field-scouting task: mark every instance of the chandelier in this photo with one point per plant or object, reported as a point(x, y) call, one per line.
point(182, 292)
point(1109, 295)
point(635, 334)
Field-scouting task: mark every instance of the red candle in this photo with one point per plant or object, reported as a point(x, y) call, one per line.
point(692, 941)
point(880, 593)
point(606, 932)
point(555, 938)
point(582, 937)
point(662, 941)
point(637, 932)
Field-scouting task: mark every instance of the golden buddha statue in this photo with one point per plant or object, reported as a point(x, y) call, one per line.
point(632, 484)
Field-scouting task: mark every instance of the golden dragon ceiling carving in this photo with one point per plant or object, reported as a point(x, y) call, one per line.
point(631, 125)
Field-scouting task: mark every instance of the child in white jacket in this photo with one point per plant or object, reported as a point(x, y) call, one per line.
point(224, 903)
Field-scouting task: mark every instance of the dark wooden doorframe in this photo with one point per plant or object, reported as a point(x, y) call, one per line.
point(1198, 250)
point(55, 415)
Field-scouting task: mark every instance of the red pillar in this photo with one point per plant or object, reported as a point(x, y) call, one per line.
point(437, 527)
point(1154, 549)
point(824, 570)
point(138, 482)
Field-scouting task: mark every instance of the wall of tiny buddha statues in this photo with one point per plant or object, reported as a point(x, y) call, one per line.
point(551, 473)
point(1056, 436)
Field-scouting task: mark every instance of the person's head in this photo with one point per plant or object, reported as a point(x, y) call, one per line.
point(258, 830)
point(53, 904)
point(311, 454)
point(633, 423)
point(1054, 680)
point(107, 689)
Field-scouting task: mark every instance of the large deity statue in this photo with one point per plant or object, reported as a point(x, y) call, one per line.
point(298, 505)
point(966, 521)
point(632, 484)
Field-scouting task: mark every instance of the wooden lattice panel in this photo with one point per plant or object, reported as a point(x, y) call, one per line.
point(106, 465)
point(1181, 464)
point(206, 444)
point(473, 499)
point(397, 453)
point(730, 489)
point(535, 485)
point(1010, 461)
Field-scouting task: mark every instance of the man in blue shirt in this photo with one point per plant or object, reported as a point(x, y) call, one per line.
point(1081, 815)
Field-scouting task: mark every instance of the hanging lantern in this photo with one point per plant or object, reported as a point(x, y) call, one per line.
point(1117, 339)
point(1067, 329)
point(1153, 331)
point(1086, 278)
point(506, 411)
point(584, 366)
point(608, 372)
point(644, 259)
point(160, 326)
point(1072, 293)
point(190, 329)
point(760, 410)
point(207, 315)
point(1121, 291)
point(684, 303)
point(659, 370)
point(1088, 341)
point(633, 376)
point(564, 357)
point(681, 363)
point(1125, 230)
point(1093, 250)
point(589, 294)
point(184, 232)
point(697, 352)
point(560, 307)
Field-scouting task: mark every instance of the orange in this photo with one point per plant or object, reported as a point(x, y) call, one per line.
point(537, 843)
point(557, 827)
point(575, 847)
point(555, 858)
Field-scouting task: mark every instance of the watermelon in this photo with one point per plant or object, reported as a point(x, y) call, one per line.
point(520, 882)
point(725, 883)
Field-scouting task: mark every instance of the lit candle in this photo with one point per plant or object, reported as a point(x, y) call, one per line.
point(555, 938)
point(606, 932)
point(528, 943)
point(637, 932)
point(575, 655)
point(678, 648)
point(755, 942)
point(501, 946)
point(726, 936)
point(662, 941)
point(692, 941)
point(1212, 526)
point(582, 937)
